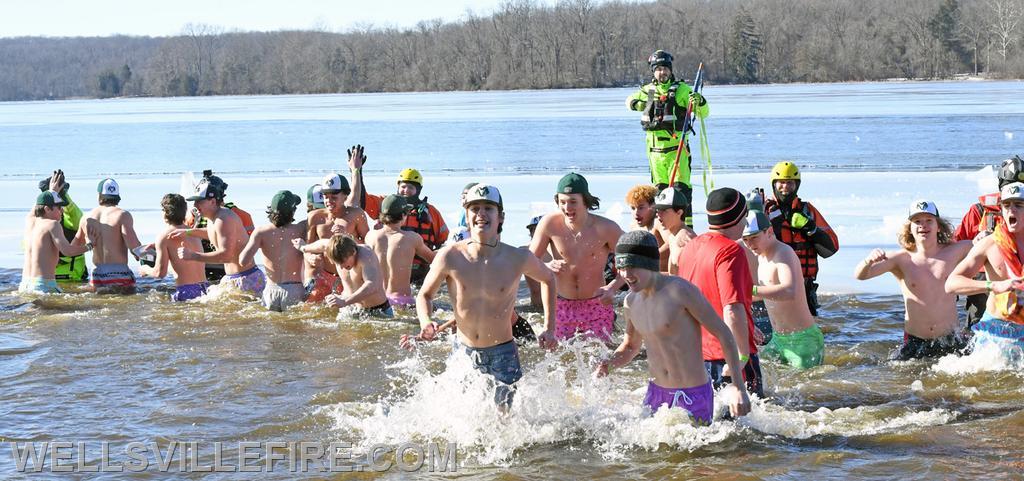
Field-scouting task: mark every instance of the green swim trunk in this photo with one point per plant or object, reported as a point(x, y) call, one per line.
point(802, 349)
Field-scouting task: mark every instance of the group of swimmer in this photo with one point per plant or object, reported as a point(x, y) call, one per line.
point(694, 301)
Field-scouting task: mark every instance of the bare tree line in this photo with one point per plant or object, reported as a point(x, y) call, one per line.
point(528, 44)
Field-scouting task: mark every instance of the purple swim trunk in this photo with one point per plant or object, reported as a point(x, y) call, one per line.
point(187, 292)
point(699, 401)
point(251, 280)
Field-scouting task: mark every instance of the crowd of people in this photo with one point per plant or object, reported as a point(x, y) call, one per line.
point(693, 298)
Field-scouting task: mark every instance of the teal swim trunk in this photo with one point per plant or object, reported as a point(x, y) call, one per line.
point(802, 349)
point(38, 285)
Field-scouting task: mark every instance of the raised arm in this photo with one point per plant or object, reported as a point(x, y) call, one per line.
point(878, 262)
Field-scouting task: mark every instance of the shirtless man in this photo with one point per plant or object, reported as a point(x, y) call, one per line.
point(190, 277)
point(1000, 255)
point(927, 258)
point(671, 206)
point(485, 274)
point(395, 248)
point(114, 231)
point(339, 216)
point(665, 314)
point(580, 243)
point(45, 242)
point(361, 277)
point(227, 235)
point(283, 263)
point(797, 340)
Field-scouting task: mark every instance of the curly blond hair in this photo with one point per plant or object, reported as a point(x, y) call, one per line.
point(641, 193)
point(906, 238)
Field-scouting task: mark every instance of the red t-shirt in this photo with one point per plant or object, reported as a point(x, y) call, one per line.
point(718, 267)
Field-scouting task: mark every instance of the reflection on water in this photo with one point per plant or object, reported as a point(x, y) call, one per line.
point(144, 368)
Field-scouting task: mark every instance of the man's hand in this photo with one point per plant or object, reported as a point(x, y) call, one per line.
point(57, 181)
point(298, 243)
point(337, 229)
point(1006, 285)
point(737, 399)
point(803, 221)
point(607, 295)
point(556, 265)
point(334, 300)
point(177, 234)
point(356, 159)
point(601, 370)
point(547, 340)
point(184, 253)
point(697, 99)
point(428, 333)
point(876, 256)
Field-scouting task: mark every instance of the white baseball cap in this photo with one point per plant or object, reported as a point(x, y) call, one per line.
point(334, 183)
point(1012, 191)
point(482, 192)
point(108, 188)
point(922, 207)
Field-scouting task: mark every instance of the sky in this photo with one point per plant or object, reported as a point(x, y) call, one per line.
point(76, 18)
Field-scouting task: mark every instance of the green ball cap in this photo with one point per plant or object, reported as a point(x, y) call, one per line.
point(284, 200)
point(573, 183)
point(394, 205)
point(50, 199)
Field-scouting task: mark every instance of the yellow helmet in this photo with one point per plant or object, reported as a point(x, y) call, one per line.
point(785, 170)
point(410, 175)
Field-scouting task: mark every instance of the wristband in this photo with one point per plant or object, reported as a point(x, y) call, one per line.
point(753, 291)
point(988, 286)
point(744, 358)
point(188, 232)
point(88, 246)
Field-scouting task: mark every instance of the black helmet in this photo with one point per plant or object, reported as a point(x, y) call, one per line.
point(1011, 171)
point(215, 182)
point(660, 58)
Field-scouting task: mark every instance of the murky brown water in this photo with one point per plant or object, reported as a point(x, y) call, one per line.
point(80, 367)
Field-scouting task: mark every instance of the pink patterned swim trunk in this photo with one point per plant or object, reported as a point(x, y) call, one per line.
point(588, 316)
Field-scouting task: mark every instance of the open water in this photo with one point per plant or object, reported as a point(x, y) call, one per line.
point(79, 367)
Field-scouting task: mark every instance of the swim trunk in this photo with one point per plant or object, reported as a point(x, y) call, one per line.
point(914, 347)
point(399, 300)
point(38, 285)
point(699, 401)
point(751, 374)
point(251, 280)
point(278, 297)
point(501, 362)
point(1007, 336)
point(588, 316)
point(521, 330)
point(381, 310)
point(112, 276)
point(322, 285)
point(802, 349)
point(187, 292)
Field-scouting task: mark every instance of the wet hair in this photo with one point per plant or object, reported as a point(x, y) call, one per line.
point(39, 211)
point(389, 219)
point(109, 201)
point(640, 194)
point(592, 203)
point(906, 238)
point(280, 218)
point(342, 247)
point(174, 207)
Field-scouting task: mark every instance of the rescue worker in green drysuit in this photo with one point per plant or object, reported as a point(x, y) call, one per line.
point(662, 118)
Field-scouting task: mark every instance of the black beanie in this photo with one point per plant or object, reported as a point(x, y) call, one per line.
point(637, 248)
point(726, 207)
